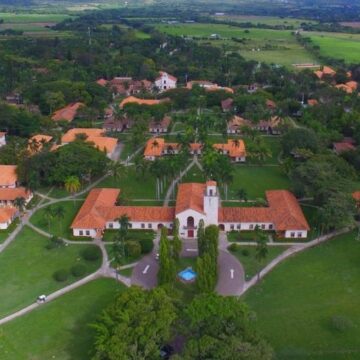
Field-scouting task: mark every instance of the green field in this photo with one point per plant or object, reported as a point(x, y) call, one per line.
point(60, 329)
point(338, 45)
point(307, 307)
point(248, 261)
point(256, 180)
point(267, 20)
point(58, 227)
point(272, 46)
point(27, 267)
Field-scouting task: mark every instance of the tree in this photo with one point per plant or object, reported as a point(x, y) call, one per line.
point(59, 212)
point(242, 194)
point(117, 170)
point(20, 203)
point(299, 138)
point(119, 244)
point(176, 242)
point(201, 237)
point(261, 249)
point(222, 328)
point(49, 215)
point(72, 185)
point(167, 266)
point(135, 326)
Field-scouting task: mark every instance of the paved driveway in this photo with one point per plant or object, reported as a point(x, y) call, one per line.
point(145, 272)
point(231, 274)
point(189, 248)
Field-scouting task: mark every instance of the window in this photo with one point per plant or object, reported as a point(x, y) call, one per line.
point(81, 233)
point(299, 234)
point(211, 192)
point(111, 225)
point(292, 234)
point(251, 226)
point(143, 226)
point(87, 233)
point(270, 227)
point(238, 226)
point(149, 226)
point(232, 227)
point(130, 226)
point(263, 226)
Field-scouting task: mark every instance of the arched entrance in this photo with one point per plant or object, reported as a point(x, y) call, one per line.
point(160, 226)
point(190, 225)
point(222, 227)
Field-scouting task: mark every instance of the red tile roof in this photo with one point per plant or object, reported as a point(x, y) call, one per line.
point(7, 214)
point(140, 213)
point(234, 148)
point(135, 100)
point(245, 214)
point(312, 102)
point(154, 147)
point(190, 196)
point(237, 122)
point(356, 196)
point(67, 113)
point(102, 82)
point(341, 147)
point(2, 133)
point(8, 175)
point(227, 104)
point(10, 194)
point(171, 77)
point(38, 139)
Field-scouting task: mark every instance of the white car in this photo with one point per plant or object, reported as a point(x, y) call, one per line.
point(41, 298)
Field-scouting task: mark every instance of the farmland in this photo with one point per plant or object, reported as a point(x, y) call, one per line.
point(337, 45)
point(271, 46)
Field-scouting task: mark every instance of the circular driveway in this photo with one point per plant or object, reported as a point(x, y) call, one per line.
point(231, 276)
point(145, 272)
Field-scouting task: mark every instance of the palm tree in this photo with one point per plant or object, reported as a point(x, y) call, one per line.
point(124, 222)
point(117, 170)
point(242, 194)
point(20, 203)
point(48, 215)
point(261, 250)
point(72, 185)
point(59, 212)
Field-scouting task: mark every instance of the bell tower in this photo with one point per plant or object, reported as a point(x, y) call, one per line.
point(211, 203)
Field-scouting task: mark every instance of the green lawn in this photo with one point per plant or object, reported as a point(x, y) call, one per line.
point(27, 268)
point(246, 255)
point(132, 185)
point(26, 17)
point(193, 175)
point(256, 180)
point(297, 302)
point(338, 45)
point(58, 227)
point(267, 20)
point(60, 329)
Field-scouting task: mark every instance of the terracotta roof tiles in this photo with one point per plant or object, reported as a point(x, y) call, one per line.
point(8, 175)
point(190, 196)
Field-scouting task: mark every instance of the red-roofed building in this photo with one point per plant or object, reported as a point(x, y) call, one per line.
point(159, 127)
point(67, 113)
point(194, 202)
point(7, 215)
point(343, 146)
point(165, 81)
point(227, 104)
point(148, 102)
point(234, 148)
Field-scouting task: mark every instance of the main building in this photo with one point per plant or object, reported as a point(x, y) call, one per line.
point(195, 202)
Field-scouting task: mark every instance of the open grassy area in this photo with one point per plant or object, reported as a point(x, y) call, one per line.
point(267, 20)
point(307, 307)
point(5, 233)
point(246, 255)
point(59, 329)
point(256, 180)
point(337, 45)
point(193, 175)
point(27, 268)
point(58, 227)
point(271, 46)
point(132, 185)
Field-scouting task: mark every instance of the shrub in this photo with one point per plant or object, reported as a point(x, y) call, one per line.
point(245, 252)
point(340, 323)
point(133, 248)
point(54, 243)
point(91, 253)
point(146, 245)
point(78, 270)
point(61, 275)
point(233, 247)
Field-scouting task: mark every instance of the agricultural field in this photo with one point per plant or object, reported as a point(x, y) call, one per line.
point(271, 46)
point(27, 268)
point(338, 45)
point(60, 329)
point(33, 24)
point(266, 20)
point(307, 306)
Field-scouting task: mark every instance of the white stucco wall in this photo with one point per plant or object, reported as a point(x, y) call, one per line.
point(247, 226)
point(298, 234)
point(165, 83)
point(92, 232)
point(183, 216)
point(5, 225)
point(144, 225)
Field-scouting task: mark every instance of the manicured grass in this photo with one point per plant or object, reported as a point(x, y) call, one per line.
point(193, 175)
point(256, 180)
point(27, 268)
point(59, 329)
point(241, 236)
point(58, 227)
point(132, 185)
point(296, 302)
point(185, 292)
point(337, 45)
point(126, 272)
point(246, 255)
